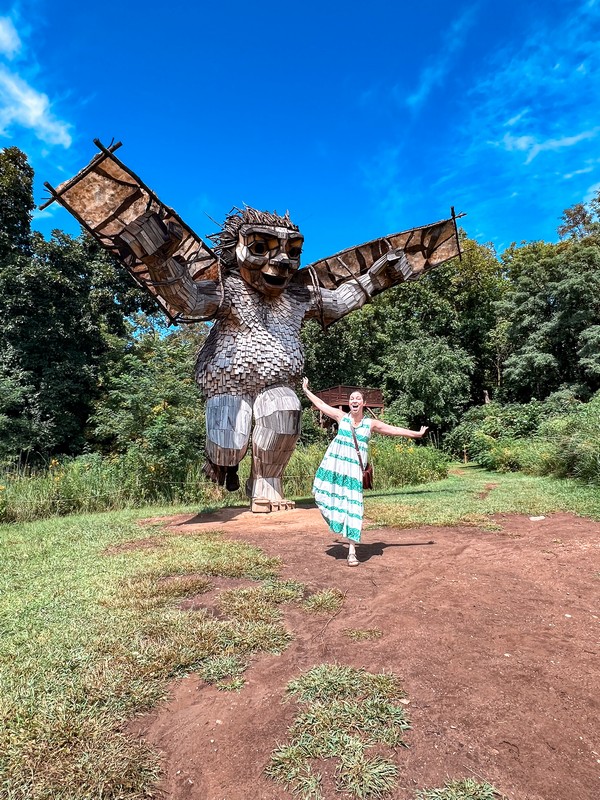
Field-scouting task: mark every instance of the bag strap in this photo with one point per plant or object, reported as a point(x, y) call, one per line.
point(356, 445)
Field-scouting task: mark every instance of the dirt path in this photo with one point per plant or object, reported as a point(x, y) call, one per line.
point(495, 636)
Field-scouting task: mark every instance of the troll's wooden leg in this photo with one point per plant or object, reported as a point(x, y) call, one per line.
point(228, 423)
point(277, 417)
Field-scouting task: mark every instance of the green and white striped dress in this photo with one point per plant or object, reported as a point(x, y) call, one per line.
point(338, 487)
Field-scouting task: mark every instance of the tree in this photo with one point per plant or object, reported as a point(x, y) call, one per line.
point(16, 203)
point(152, 407)
point(62, 305)
point(552, 309)
point(577, 222)
point(18, 431)
point(429, 381)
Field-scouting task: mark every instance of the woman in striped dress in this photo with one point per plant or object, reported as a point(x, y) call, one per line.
point(337, 487)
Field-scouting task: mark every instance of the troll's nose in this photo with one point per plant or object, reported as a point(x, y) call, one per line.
point(281, 260)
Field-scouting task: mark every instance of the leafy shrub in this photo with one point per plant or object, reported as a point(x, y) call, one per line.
point(559, 437)
point(400, 462)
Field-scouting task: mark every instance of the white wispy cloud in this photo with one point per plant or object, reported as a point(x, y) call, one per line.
point(532, 147)
point(548, 86)
point(10, 42)
point(22, 105)
point(435, 73)
point(568, 175)
point(47, 213)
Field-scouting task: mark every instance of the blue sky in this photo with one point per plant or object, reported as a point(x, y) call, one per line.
point(360, 119)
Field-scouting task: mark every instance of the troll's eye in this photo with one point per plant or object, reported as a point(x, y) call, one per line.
point(294, 251)
point(258, 248)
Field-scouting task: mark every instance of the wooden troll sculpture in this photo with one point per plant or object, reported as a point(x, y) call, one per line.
point(251, 286)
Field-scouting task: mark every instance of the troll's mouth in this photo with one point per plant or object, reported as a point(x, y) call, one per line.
point(274, 280)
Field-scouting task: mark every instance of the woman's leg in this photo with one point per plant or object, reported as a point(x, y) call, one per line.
point(352, 559)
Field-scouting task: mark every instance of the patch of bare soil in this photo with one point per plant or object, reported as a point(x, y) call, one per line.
point(149, 543)
point(494, 634)
point(487, 489)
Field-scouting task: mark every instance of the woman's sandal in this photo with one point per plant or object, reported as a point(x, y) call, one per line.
point(353, 560)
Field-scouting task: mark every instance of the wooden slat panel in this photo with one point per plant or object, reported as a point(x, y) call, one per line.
point(107, 197)
point(425, 247)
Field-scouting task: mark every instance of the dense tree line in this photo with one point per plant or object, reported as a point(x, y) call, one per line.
point(63, 309)
point(82, 366)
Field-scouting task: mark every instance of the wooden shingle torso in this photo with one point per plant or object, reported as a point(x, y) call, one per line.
point(254, 341)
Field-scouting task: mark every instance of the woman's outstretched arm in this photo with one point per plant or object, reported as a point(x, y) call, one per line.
point(377, 426)
point(334, 413)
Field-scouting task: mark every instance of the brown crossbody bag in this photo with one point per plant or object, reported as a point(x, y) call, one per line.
point(367, 470)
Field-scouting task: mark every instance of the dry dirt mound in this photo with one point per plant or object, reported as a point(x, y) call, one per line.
point(494, 634)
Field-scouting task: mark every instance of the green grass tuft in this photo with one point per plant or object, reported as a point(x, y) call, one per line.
point(346, 711)
point(366, 777)
point(215, 668)
point(328, 682)
point(231, 685)
point(326, 601)
point(466, 789)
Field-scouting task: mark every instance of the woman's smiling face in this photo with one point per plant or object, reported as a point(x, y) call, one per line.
point(356, 402)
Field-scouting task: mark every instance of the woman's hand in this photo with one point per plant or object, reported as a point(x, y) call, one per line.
point(304, 384)
point(423, 430)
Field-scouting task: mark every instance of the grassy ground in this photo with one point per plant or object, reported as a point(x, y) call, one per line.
point(90, 638)
point(470, 495)
point(93, 633)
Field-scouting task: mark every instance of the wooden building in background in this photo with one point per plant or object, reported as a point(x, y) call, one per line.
point(339, 397)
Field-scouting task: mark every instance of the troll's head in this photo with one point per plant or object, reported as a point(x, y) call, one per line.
point(264, 247)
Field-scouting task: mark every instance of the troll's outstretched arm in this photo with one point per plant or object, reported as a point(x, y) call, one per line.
point(155, 242)
point(344, 282)
point(389, 270)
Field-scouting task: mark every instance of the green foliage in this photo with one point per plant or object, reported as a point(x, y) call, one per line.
point(552, 311)
point(326, 601)
point(16, 204)
point(560, 437)
point(430, 380)
point(581, 220)
point(151, 412)
point(174, 474)
point(62, 305)
point(401, 462)
point(572, 444)
point(216, 668)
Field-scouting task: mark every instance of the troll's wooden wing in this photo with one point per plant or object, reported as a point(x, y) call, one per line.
point(107, 198)
point(425, 247)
